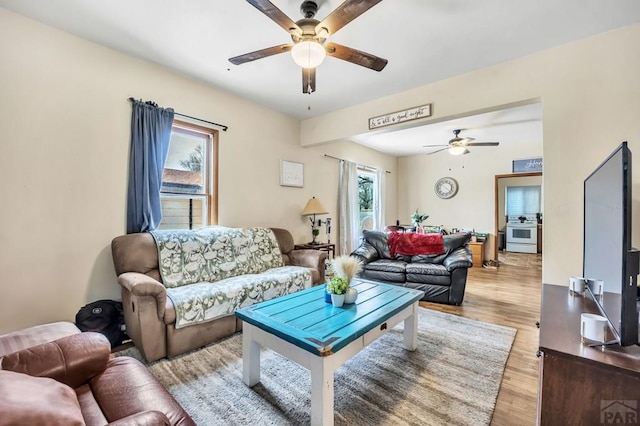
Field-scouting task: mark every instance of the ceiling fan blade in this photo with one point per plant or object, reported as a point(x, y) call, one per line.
point(354, 56)
point(461, 141)
point(308, 80)
point(443, 149)
point(433, 146)
point(259, 54)
point(276, 15)
point(483, 144)
point(345, 13)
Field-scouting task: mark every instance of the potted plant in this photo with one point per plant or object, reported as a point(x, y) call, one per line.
point(337, 287)
point(417, 218)
point(522, 218)
point(347, 267)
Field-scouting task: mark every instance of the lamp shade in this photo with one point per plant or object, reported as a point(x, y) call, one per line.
point(314, 206)
point(308, 54)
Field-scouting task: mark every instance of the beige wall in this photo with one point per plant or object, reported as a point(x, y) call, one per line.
point(473, 205)
point(63, 165)
point(590, 93)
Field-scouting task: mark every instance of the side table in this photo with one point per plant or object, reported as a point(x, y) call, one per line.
point(328, 247)
point(477, 249)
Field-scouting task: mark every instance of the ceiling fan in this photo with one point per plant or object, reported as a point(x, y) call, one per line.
point(309, 37)
point(458, 145)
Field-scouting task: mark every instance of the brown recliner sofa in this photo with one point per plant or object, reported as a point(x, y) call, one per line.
point(150, 315)
point(74, 380)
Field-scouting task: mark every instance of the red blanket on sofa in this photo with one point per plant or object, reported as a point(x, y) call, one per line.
point(411, 244)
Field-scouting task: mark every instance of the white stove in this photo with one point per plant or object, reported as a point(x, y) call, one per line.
point(522, 235)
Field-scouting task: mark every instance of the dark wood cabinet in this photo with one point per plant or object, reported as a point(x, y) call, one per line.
point(578, 384)
point(539, 238)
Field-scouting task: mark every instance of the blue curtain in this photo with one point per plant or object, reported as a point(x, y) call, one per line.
point(150, 134)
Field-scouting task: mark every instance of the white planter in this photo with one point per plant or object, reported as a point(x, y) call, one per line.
point(351, 296)
point(337, 300)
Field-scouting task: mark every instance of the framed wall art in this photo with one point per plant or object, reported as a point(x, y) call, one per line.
point(527, 165)
point(291, 173)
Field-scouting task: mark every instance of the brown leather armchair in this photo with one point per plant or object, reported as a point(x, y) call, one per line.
point(314, 260)
point(74, 380)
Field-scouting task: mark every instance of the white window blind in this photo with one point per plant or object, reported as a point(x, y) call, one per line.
point(522, 200)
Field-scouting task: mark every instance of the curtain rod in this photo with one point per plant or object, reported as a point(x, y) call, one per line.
point(360, 165)
point(224, 128)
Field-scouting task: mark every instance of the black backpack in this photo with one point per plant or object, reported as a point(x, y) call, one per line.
point(106, 317)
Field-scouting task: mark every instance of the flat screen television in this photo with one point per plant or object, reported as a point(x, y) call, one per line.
point(608, 255)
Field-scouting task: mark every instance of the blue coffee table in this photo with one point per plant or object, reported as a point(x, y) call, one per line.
point(304, 328)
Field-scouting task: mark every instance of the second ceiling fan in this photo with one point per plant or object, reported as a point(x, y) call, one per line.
point(309, 37)
point(458, 145)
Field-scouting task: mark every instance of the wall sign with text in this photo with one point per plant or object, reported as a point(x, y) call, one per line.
point(397, 117)
point(527, 165)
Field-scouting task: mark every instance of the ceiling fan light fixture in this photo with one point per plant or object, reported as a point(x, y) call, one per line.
point(457, 150)
point(308, 54)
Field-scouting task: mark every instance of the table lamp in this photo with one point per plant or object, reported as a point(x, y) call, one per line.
point(314, 207)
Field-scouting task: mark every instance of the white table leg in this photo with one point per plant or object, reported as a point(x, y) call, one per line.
point(410, 335)
point(321, 392)
point(250, 356)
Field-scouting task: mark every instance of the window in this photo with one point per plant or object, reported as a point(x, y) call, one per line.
point(366, 182)
point(522, 200)
point(189, 180)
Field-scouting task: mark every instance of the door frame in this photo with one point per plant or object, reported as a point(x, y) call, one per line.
point(495, 209)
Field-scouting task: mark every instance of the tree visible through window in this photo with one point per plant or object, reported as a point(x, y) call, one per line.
point(366, 181)
point(188, 180)
point(194, 161)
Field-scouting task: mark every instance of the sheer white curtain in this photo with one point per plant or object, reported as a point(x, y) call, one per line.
point(379, 221)
point(348, 206)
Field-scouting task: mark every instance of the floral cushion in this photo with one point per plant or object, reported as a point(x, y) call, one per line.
point(215, 253)
point(205, 301)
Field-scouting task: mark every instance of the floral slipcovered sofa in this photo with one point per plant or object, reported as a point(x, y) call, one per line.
point(180, 288)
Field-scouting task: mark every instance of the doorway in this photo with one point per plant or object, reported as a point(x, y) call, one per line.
point(500, 221)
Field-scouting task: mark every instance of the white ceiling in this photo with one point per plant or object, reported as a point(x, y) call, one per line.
point(424, 41)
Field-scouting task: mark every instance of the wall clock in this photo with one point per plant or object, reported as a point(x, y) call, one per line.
point(446, 187)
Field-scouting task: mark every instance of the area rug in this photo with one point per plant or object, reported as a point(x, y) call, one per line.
point(452, 378)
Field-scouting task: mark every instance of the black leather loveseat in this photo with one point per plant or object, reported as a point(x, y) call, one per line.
point(442, 277)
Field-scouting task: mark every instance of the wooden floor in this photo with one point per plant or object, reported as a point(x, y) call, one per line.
point(509, 295)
